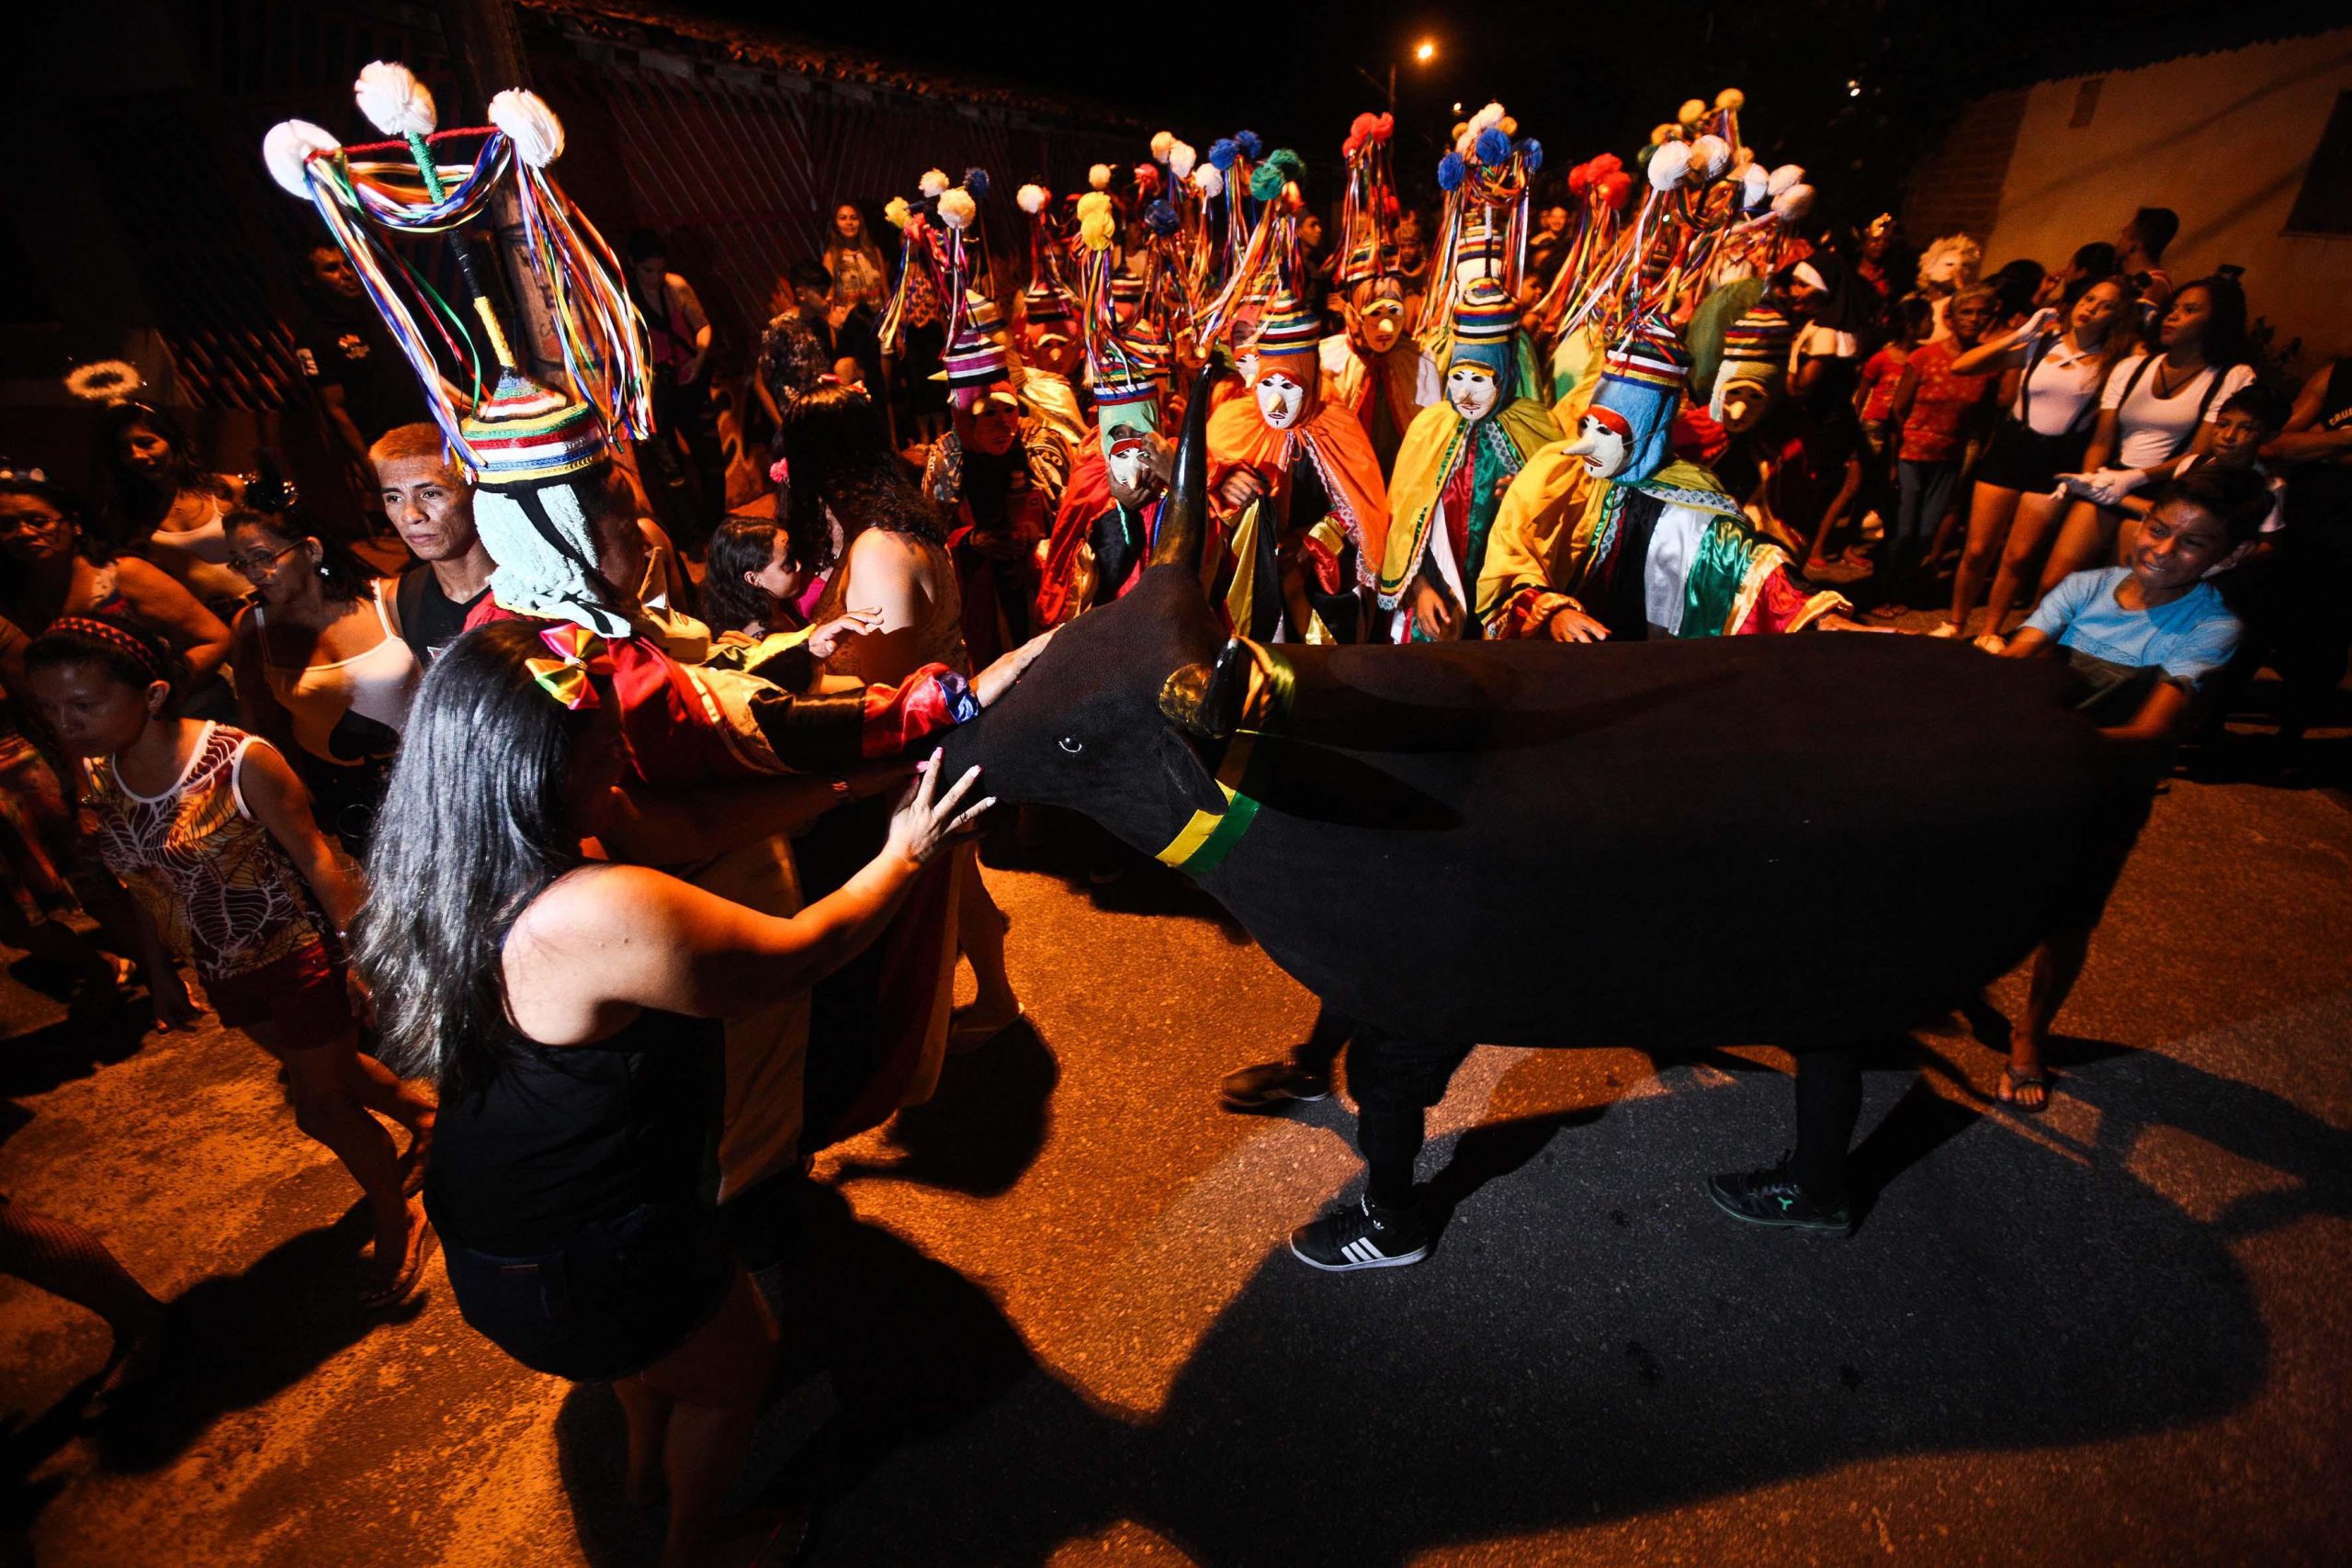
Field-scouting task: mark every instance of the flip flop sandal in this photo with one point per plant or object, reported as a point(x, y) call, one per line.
point(2022, 1081)
point(965, 1038)
point(385, 1298)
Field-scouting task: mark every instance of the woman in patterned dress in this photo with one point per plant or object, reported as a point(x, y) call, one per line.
point(212, 832)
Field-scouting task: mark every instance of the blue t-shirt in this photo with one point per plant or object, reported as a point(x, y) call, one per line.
point(2187, 639)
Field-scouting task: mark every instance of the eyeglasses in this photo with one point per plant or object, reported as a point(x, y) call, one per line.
point(252, 567)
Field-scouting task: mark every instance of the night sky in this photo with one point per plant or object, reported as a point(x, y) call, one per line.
point(1581, 77)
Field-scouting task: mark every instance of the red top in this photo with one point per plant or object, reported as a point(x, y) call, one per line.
point(1932, 433)
point(1881, 374)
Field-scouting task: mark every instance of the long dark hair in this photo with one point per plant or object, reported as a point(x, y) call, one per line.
point(129, 503)
point(838, 455)
point(474, 825)
point(343, 576)
point(742, 545)
point(2225, 324)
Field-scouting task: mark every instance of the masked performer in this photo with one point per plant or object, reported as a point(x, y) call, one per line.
point(1602, 536)
point(1458, 459)
point(1305, 509)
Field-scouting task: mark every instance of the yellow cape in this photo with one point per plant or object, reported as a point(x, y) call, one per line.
point(1437, 441)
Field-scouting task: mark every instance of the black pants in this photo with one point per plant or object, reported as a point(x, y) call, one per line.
point(689, 491)
point(1325, 1041)
point(1829, 1101)
point(1395, 1082)
point(2315, 622)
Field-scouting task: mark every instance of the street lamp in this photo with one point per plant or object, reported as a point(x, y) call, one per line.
point(1423, 52)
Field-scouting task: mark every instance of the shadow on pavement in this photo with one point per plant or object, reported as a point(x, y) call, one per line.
point(39, 1060)
point(983, 1126)
point(235, 1340)
point(1549, 1368)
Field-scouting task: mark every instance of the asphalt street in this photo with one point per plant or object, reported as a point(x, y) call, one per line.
point(1048, 1318)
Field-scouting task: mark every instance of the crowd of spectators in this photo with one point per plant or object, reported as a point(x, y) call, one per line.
point(209, 694)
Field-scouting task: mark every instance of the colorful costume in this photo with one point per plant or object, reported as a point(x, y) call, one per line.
point(1374, 369)
point(1324, 503)
point(1102, 533)
point(1605, 524)
point(1459, 455)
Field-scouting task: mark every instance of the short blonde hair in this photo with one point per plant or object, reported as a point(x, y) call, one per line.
point(416, 443)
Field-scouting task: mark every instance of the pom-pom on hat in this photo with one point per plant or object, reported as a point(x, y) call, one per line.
point(1641, 388)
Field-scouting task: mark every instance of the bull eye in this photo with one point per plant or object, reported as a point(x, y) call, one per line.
point(1072, 744)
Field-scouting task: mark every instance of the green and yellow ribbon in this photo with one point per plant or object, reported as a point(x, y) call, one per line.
point(1204, 843)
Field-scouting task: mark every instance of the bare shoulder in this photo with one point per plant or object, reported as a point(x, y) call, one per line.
point(597, 905)
point(143, 579)
point(879, 549)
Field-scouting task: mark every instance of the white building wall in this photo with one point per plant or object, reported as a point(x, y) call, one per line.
point(2221, 138)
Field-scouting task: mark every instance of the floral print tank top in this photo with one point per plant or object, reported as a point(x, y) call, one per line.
point(219, 890)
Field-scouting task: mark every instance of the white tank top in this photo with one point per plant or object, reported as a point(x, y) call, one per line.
point(199, 556)
point(378, 684)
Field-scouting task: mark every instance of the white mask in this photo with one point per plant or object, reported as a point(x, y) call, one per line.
point(1130, 475)
point(1603, 450)
point(1472, 391)
point(1281, 401)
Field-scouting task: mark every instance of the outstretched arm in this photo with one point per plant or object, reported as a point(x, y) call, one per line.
point(607, 938)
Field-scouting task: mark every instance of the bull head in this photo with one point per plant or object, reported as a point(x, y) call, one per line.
point(1098, 724)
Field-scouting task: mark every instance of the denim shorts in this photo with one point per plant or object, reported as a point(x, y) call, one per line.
point(616, 1297)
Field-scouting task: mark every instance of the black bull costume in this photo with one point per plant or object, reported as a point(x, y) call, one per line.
point(1809, 841)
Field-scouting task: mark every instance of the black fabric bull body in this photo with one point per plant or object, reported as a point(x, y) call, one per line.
point(1805, 840)
point(1801, 840)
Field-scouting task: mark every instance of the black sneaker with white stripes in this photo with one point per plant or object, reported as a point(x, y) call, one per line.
point(1364, 1235)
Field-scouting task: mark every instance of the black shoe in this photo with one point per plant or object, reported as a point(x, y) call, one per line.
point(1271, 1083)
point(1773, 1198)
point(1363, 1236)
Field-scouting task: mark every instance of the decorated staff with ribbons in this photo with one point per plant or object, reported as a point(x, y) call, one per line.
point(997, 471)
point(1604, 536)
point(1046, 369)
point(1374, 369)
point(553, 513)
point(1458, 459)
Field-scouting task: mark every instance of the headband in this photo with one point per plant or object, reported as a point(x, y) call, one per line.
point(117, 638)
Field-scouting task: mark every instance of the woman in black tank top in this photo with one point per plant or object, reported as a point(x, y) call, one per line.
point(569, 1010)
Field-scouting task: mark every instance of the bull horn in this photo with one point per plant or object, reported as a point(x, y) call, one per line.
point(1204, 699)
point(1184, 516)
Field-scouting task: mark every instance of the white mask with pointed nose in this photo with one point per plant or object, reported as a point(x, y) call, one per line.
point(1281, 400)
point(1605, 452)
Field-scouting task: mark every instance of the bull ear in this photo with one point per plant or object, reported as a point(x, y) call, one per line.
point(1204, 699)
point(1184, 770)
point(1184, 516)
